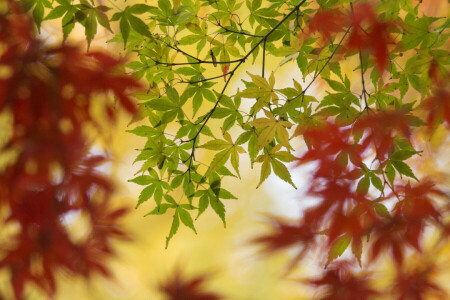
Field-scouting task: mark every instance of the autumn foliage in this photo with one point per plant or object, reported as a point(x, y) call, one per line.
point(368, 33)
point(49, 92)
point(179, 286)
point(359, 134)
point(346, 213)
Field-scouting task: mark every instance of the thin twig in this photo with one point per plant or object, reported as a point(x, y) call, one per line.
point(364, 92)
point(264, 58)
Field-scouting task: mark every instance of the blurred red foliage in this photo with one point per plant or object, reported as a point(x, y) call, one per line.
point(346, 214)
point(339, 282)
point(368, 33)
point(48, 91)
point(179, 287)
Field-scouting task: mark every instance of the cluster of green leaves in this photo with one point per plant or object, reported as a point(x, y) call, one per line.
point(176, 45)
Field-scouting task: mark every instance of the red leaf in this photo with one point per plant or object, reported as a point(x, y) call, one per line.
point(381, 128)
point(409, 219)
point(49, 93)
point(418, 201)
point(328, 22)
point(285, 234)
point(417, 282)
point(369, 34)
point(225, 71)
point(340, 282)
point(433, 72)
point(438, 107)
point(178, 287)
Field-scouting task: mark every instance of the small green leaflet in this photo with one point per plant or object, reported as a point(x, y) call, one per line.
point(338, 247)
point(273, 160)
point(227, 148)
point(154, 187)
point(128, 19)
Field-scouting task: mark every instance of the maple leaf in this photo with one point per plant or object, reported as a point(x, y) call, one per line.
point(368, 33)
point(264, 91)
point(180, 287)
point(285, 235)
point(398, 232)
point(270, 126)
point(351, 226)
point(333, 179)
point(328, 22)
point(43, 233)
point(417, 200)
point(438, 107)
point(228, 148)
point(375, 38)
point(433, 72)
point(381, 128)
point(328, 140)
point(47, 88)
point(417, 281)
point(273, 160)
point(339, 282)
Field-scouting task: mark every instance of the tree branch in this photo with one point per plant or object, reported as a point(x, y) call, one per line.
point(242, 60)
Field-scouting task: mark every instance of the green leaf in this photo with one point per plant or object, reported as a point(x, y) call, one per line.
point(270, 126)
point(338, 247)
point(165, 6)
point(224, 194)
point(146, 193)
point(186, 219)
point(38, 14)
point(302, 63)
point(390, 173)
point(162, 104)
point(173, 228)
point(139, 9)
point(363, 185)
point(142, 180)
point(103, 20)
point(336, 85)
point(281, 171)
point(160, 210)
point(376, 182)
point(403, 86)
point(203, 204)
point(381, 210)
point(138, 25)
point(90, 27)
point(218, 207)
point(197, 102)
point(403, 168)
point(56, 13)
point(145, 131)
point(219, 160)
point(124, 29)
point(265, 172)
point(216, 145)
point(403, 154)
point(170, 199)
